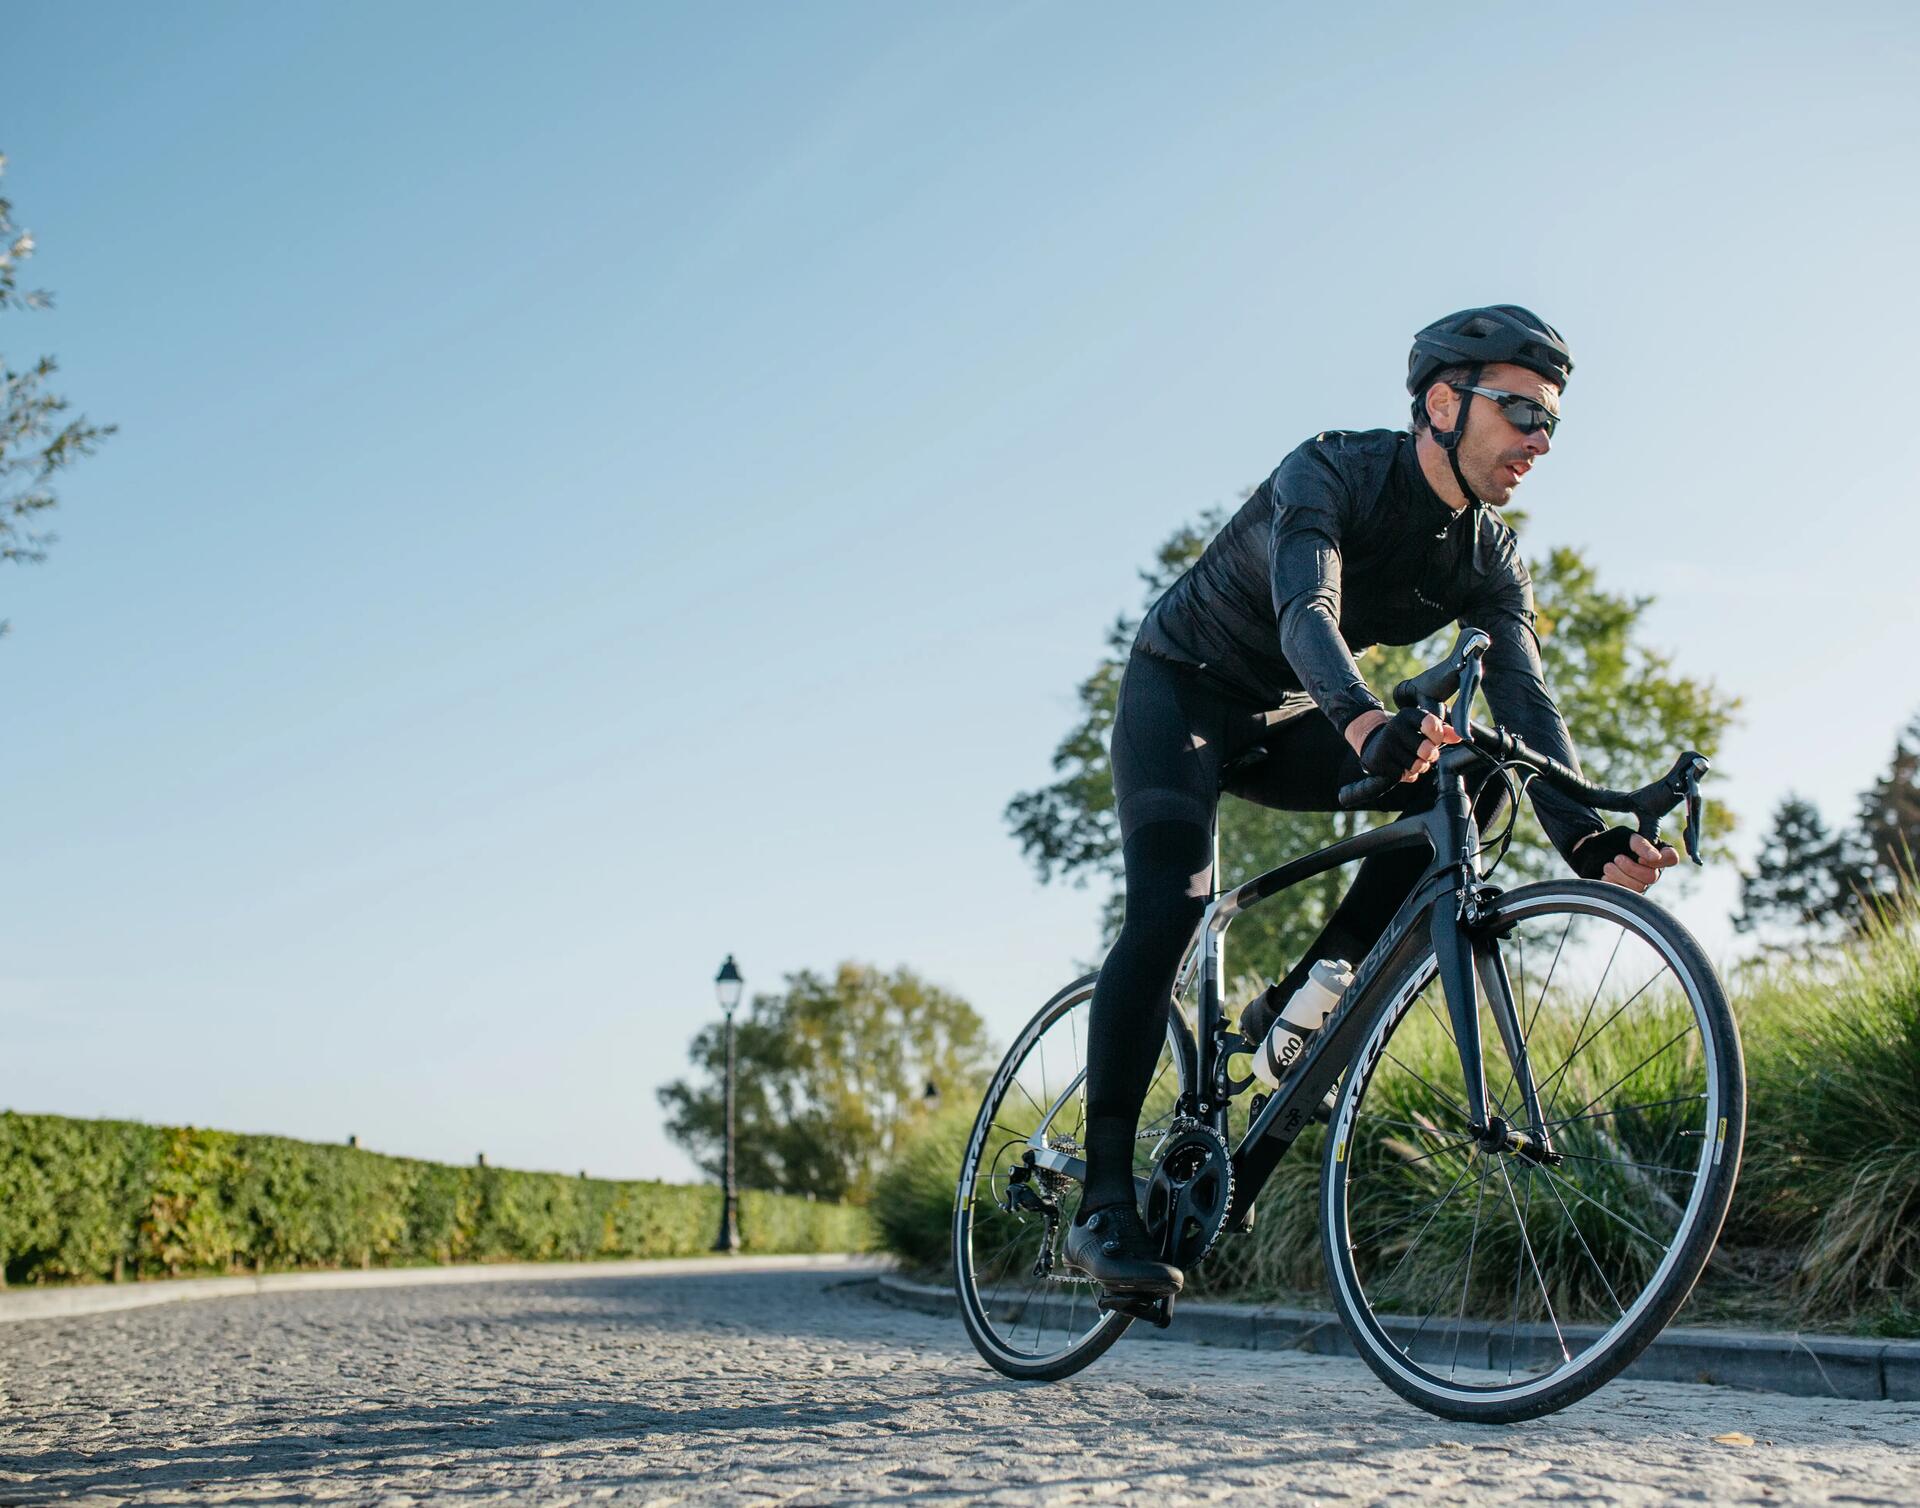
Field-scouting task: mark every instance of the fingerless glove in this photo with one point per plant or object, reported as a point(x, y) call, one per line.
point(1391, 748)
point(1592, 855)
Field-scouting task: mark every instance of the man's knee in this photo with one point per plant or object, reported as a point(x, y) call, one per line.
point(1169, 875)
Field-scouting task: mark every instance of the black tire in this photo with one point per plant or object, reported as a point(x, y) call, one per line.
point(1069, 1331)
point(1618, 1232)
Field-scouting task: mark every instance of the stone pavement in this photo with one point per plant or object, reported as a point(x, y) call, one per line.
point(798, 1388)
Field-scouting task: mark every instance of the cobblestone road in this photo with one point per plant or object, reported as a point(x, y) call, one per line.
point(796, 1388)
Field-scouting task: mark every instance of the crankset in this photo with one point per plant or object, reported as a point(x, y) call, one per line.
point(1189, 1195)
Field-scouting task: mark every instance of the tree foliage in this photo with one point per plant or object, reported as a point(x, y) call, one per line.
point(1809, 884)
point(828, 1074)
point(1628, 708)
point(37, 439)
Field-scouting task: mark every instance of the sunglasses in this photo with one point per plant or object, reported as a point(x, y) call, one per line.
point(1523, 413)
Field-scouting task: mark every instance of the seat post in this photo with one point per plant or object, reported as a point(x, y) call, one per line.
point(1213, 845)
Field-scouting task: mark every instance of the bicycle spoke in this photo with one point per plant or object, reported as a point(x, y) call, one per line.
point(1527, 1242)
point(1450, 1103)
point(1415, 1214)
point(1519, 1270)
point(1541, 1003)
point(1466, 1283)
point(1632, 1071)
point(1587, 1016)
point(1580, 1236)
point(1388, 1120)
point(1578, 1192)
point(1600, 1115)
point(1626, 1162)
point(1574, 1052)
point(1403, 1164)
point(1441, 1287)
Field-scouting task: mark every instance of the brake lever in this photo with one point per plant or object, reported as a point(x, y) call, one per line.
point(1681, 783)
point(1696, 767)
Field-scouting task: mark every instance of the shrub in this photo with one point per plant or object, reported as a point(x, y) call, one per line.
point(1833, 1140)
point(101, 1199)
point(913, 1197)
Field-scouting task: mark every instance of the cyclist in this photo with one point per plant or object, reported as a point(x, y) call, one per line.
point(1358, 538)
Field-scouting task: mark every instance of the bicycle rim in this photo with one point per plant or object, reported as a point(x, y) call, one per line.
point(1027, 1316)
point(1488, 1285)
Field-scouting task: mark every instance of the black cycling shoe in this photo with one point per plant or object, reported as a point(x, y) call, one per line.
point(1113, 1248)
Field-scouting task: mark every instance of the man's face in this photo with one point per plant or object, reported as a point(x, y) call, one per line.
point(1494, 453)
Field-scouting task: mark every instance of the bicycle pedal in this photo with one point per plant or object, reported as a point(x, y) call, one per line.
point(1157, 1312)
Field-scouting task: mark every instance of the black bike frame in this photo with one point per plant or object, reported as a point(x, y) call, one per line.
point(1442, 910)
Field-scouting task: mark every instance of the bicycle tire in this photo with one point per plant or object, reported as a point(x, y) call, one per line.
point(1709, 1104)
point(995, 1326)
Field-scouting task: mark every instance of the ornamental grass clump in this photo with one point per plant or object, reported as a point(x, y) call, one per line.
point(1833, 1142)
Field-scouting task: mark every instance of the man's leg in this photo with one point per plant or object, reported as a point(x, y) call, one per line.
point(1166, 771)
point(1127, 1025)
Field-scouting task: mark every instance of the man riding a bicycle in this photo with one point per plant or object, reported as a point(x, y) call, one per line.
point(1243, 679)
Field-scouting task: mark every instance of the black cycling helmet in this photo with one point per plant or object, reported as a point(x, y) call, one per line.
point(1480, 337)
point(1474, 338)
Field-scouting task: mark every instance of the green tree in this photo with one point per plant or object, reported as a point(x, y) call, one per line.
point(1798, 887)
point(828, 1074)
point(1807, 883)
point(1627, 707)
point(1889, 823)
point(36, 440)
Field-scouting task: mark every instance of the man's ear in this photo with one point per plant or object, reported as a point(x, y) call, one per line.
point(1442, 406)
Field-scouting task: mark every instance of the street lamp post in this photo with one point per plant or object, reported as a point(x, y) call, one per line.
point(727, 985)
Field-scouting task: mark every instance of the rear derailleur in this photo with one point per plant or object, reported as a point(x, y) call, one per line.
point(1027, 1194)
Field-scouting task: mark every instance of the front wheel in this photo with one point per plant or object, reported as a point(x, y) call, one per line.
point(1492, 1285)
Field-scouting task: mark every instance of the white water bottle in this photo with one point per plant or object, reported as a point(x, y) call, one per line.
point(1303, 1015)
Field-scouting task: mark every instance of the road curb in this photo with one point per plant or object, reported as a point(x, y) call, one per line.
point(105, 1298)
point(1808, 1366)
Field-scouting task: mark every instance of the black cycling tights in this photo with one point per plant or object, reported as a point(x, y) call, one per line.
point(1172, 737)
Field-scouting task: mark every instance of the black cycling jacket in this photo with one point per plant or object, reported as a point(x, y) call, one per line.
point(1344, 546)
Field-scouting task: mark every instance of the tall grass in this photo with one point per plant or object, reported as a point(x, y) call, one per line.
point(1833, 1142)
point(1825, 1228)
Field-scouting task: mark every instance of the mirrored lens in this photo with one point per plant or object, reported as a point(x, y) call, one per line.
point(1527, 416)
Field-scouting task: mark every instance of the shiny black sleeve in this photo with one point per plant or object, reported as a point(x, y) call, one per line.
point(1311, 507)
point(1517, 691)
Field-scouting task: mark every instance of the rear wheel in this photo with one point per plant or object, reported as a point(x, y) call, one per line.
point(1490, 1285)
point(1020, 1185)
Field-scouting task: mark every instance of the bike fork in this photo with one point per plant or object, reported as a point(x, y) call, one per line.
point(1460, 959)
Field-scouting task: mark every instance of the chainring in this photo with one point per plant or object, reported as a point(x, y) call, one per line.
point(1189, 1195)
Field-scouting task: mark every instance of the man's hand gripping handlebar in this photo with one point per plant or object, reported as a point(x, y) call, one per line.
point(1457, 678)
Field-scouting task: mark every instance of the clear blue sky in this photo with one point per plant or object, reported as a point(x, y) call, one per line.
point(604, 486)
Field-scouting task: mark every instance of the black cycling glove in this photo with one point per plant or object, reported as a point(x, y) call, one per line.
point(1592, 854)
point(1391, 748)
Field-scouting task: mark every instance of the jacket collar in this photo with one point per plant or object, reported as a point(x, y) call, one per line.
point(1430, 511)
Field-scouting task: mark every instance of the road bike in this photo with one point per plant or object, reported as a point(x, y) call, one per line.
point(1534, 1102)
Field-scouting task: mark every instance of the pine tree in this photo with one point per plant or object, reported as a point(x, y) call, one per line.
point(1889, 828)
point(1799, 884)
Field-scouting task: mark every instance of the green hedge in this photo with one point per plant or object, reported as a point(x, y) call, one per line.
point(86, 1200)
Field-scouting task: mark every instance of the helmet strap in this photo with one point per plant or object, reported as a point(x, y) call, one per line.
point(1449, 440)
